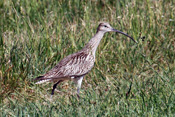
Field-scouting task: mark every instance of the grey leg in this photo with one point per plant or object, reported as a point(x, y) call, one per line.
point(78, 81)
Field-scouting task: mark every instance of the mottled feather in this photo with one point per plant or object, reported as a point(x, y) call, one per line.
point(74, 65)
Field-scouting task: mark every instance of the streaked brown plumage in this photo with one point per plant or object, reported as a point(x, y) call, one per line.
point(77, 65)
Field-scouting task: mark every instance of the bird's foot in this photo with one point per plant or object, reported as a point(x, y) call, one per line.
point(78, 96)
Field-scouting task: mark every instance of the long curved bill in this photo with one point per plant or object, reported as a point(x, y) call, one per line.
point(123, 34)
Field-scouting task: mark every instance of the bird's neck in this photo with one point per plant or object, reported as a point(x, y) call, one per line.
point(92, 45)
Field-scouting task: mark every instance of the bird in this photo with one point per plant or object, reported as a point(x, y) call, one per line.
point(75, 66)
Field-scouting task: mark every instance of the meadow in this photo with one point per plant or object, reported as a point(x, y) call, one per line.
point(128, 79)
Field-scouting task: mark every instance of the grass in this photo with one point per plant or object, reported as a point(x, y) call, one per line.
point(128, 79)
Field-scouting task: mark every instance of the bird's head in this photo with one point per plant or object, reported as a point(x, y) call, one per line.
point(105, 27)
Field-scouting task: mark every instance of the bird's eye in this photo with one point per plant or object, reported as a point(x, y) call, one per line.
point(105, 26)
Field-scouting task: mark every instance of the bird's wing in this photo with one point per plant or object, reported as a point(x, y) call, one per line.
point(74, 65)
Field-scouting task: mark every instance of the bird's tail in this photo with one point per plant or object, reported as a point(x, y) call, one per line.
point(41, 79)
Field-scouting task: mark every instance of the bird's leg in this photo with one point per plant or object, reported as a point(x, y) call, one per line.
point(78, 81)
point(55, 85)
point(78, 91)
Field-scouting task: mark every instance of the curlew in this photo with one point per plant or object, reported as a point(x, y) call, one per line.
point(76, 66)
